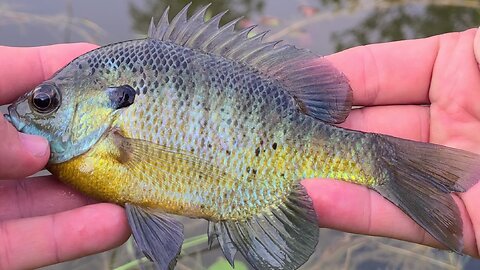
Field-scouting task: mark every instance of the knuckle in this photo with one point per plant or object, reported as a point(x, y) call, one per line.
point(5, 247)
point(55, 241)
point(370, 74)
point(23, 198)
point(6, 150)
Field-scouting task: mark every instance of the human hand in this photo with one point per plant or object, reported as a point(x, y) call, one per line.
point(42, 221)
point(394, 81)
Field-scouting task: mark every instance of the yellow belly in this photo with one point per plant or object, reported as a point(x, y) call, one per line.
point(99, 173)
point(172, 183)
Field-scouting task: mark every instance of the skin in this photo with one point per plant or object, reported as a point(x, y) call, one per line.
point(392, 80)
point(42, 219)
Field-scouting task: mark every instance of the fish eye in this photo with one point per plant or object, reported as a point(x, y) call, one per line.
point(45, 99)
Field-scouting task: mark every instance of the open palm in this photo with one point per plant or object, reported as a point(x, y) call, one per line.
point(424, 90)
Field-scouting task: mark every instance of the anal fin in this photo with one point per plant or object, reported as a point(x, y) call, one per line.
point(158, 236)
point(219, 230)
point(283, 238)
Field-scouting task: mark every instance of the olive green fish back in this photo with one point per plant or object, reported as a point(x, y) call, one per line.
point(321, 90)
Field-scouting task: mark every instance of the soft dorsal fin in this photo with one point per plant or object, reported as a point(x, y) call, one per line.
point(320, 90)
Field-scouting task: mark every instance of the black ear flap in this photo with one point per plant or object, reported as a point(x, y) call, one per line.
point(121, 96)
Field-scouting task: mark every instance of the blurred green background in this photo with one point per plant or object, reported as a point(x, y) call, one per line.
point(323, 26)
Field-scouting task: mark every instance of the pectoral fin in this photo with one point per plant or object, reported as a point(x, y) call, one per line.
point(139, 154)
point(283, 238)
point(158, 236)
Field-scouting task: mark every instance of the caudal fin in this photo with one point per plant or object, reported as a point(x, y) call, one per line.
point(419, 178)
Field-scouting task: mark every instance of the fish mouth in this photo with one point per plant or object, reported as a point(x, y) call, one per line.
point(14, 118)
point(8, 118)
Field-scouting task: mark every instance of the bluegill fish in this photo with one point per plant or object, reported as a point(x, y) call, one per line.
point(202, 121)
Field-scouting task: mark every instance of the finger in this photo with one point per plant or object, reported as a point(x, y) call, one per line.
point(471, 199)
point(64, 236)
point(37, 196)
point(22, 154)
point(23, 68)
point(403, 121)
point(357, 209)
point(393, 73)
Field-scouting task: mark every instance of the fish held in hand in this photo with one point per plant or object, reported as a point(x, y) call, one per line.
point(203, 121)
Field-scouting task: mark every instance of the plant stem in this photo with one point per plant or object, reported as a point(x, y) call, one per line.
point(190, 242)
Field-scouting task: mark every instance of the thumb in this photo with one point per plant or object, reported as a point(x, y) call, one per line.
point(476, 46)
point(20, 154)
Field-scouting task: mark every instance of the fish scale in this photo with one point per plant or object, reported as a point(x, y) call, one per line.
point(202, 121)
point(229, 115)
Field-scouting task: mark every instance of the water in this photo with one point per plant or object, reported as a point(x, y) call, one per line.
point(323, 26)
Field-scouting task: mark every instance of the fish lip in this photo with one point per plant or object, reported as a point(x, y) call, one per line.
point(8, 118)
point(14, 118)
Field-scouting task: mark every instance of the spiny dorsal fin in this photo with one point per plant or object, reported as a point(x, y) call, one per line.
point(320, 90)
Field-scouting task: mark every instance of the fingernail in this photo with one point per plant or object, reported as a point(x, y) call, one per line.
point(36, 145)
